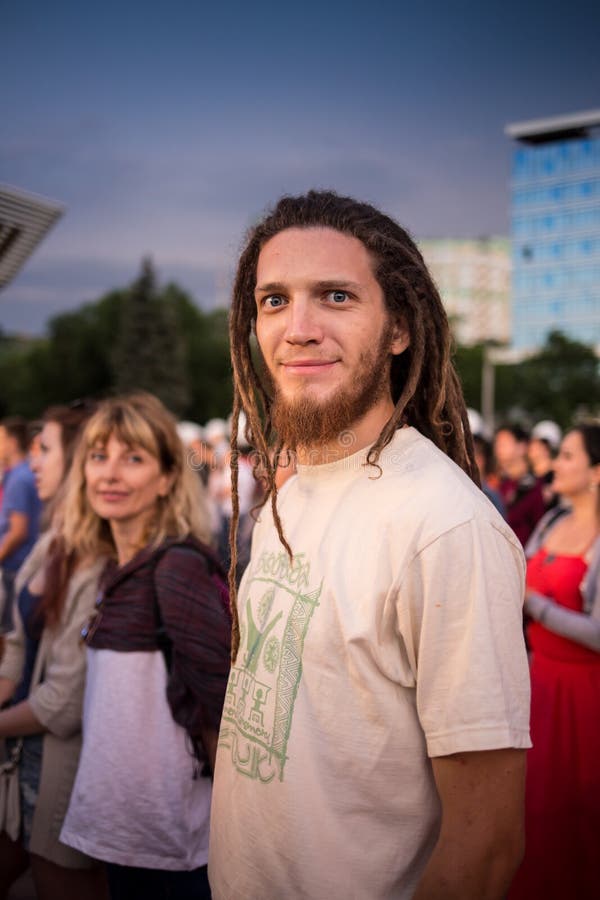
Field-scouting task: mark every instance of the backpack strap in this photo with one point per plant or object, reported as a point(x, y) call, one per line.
point(163, 641)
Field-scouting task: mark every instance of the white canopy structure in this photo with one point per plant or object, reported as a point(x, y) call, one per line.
point(24, 221)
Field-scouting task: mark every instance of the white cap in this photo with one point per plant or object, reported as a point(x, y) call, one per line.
point(549, 431)
point(476, 424)
point(215, 431)
point(189, 432)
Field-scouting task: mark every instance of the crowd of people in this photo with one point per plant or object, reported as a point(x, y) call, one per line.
point(139, 696)
point(124, 562)
point(549, 491)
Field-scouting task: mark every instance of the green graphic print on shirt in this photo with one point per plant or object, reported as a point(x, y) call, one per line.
point(274, 617)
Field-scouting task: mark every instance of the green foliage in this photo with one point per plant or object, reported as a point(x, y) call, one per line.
point(561, 382)
point(469, 364)
point(208, 365)
point(149, 352)
point(137, 337)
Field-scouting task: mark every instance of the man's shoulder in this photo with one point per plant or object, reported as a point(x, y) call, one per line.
point(20, 482)
point(20, 473)
point(412, 465)
point(435, 494)
point(415, 493)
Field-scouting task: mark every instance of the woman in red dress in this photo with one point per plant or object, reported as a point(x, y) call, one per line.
point(563, 600)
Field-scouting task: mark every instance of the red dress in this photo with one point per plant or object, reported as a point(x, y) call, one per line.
point(563, 768)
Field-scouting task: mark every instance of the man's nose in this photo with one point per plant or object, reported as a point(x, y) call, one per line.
point(304, 324)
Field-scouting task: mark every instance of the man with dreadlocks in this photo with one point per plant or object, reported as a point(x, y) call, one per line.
point(373, 735)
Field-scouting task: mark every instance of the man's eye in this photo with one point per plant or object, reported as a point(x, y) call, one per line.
point(273, 301)
point(338, 296)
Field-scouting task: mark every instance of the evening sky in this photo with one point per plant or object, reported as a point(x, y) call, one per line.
point(166, 128)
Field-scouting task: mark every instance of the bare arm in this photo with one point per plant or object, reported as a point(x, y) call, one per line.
point(567, 623)
point(19, 720)
point(7, 689)
point(482, 832)
point(18, 525)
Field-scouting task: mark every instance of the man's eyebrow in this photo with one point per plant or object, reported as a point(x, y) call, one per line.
point(331, 284)
point(336, 284)
point(271, 287)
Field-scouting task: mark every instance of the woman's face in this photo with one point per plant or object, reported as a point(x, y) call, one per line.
point(48, 463)
point(573, 472)
point(123, 483)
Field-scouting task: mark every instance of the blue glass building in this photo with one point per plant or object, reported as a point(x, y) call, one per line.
point(555, 213)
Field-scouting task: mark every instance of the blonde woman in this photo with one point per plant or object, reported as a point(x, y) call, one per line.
point(42, 676)
point(158, 655)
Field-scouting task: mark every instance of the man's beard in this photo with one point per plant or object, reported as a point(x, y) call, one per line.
point(309, 422)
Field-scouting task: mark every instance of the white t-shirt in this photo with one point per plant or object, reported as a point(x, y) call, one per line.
point(135, 800)
point(395, 635)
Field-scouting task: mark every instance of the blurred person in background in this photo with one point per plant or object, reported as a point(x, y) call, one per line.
point(518, 486)
point(191, 436)
point(42, 675)
point(158, 655)
point(563, 599)
point(201, 457)
point(541, 452)
point(249, 491)
point(484, 457)
point(19, 511)
point(35, 440)
point(217, 440)
point(216, 434)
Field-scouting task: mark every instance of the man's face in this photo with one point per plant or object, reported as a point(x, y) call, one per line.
point(509, 452)
point(539, 456)
point(323, 330)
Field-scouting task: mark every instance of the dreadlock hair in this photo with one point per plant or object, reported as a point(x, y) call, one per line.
point(425, 387)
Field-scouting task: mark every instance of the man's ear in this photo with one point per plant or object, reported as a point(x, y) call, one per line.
point(400, 337)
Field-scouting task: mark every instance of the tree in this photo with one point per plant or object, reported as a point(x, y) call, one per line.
point(136, 337)
point(149, 353)
point(560, 382)
point(469, 364)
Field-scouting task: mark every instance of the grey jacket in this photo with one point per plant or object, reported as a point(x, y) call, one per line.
point(56, 698)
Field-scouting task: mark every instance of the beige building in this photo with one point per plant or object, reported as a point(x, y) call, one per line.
point(473, 278)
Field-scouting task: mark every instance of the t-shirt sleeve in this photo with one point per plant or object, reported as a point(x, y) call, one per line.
point(460, 614)
point(19, 496)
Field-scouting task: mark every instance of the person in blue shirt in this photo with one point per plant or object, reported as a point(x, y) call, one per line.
point(19, 511)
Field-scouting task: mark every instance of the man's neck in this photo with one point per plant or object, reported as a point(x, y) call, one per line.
point(356, 437)
point(14, 459)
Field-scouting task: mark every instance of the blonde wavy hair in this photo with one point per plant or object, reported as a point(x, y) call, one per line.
point(137, 420)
